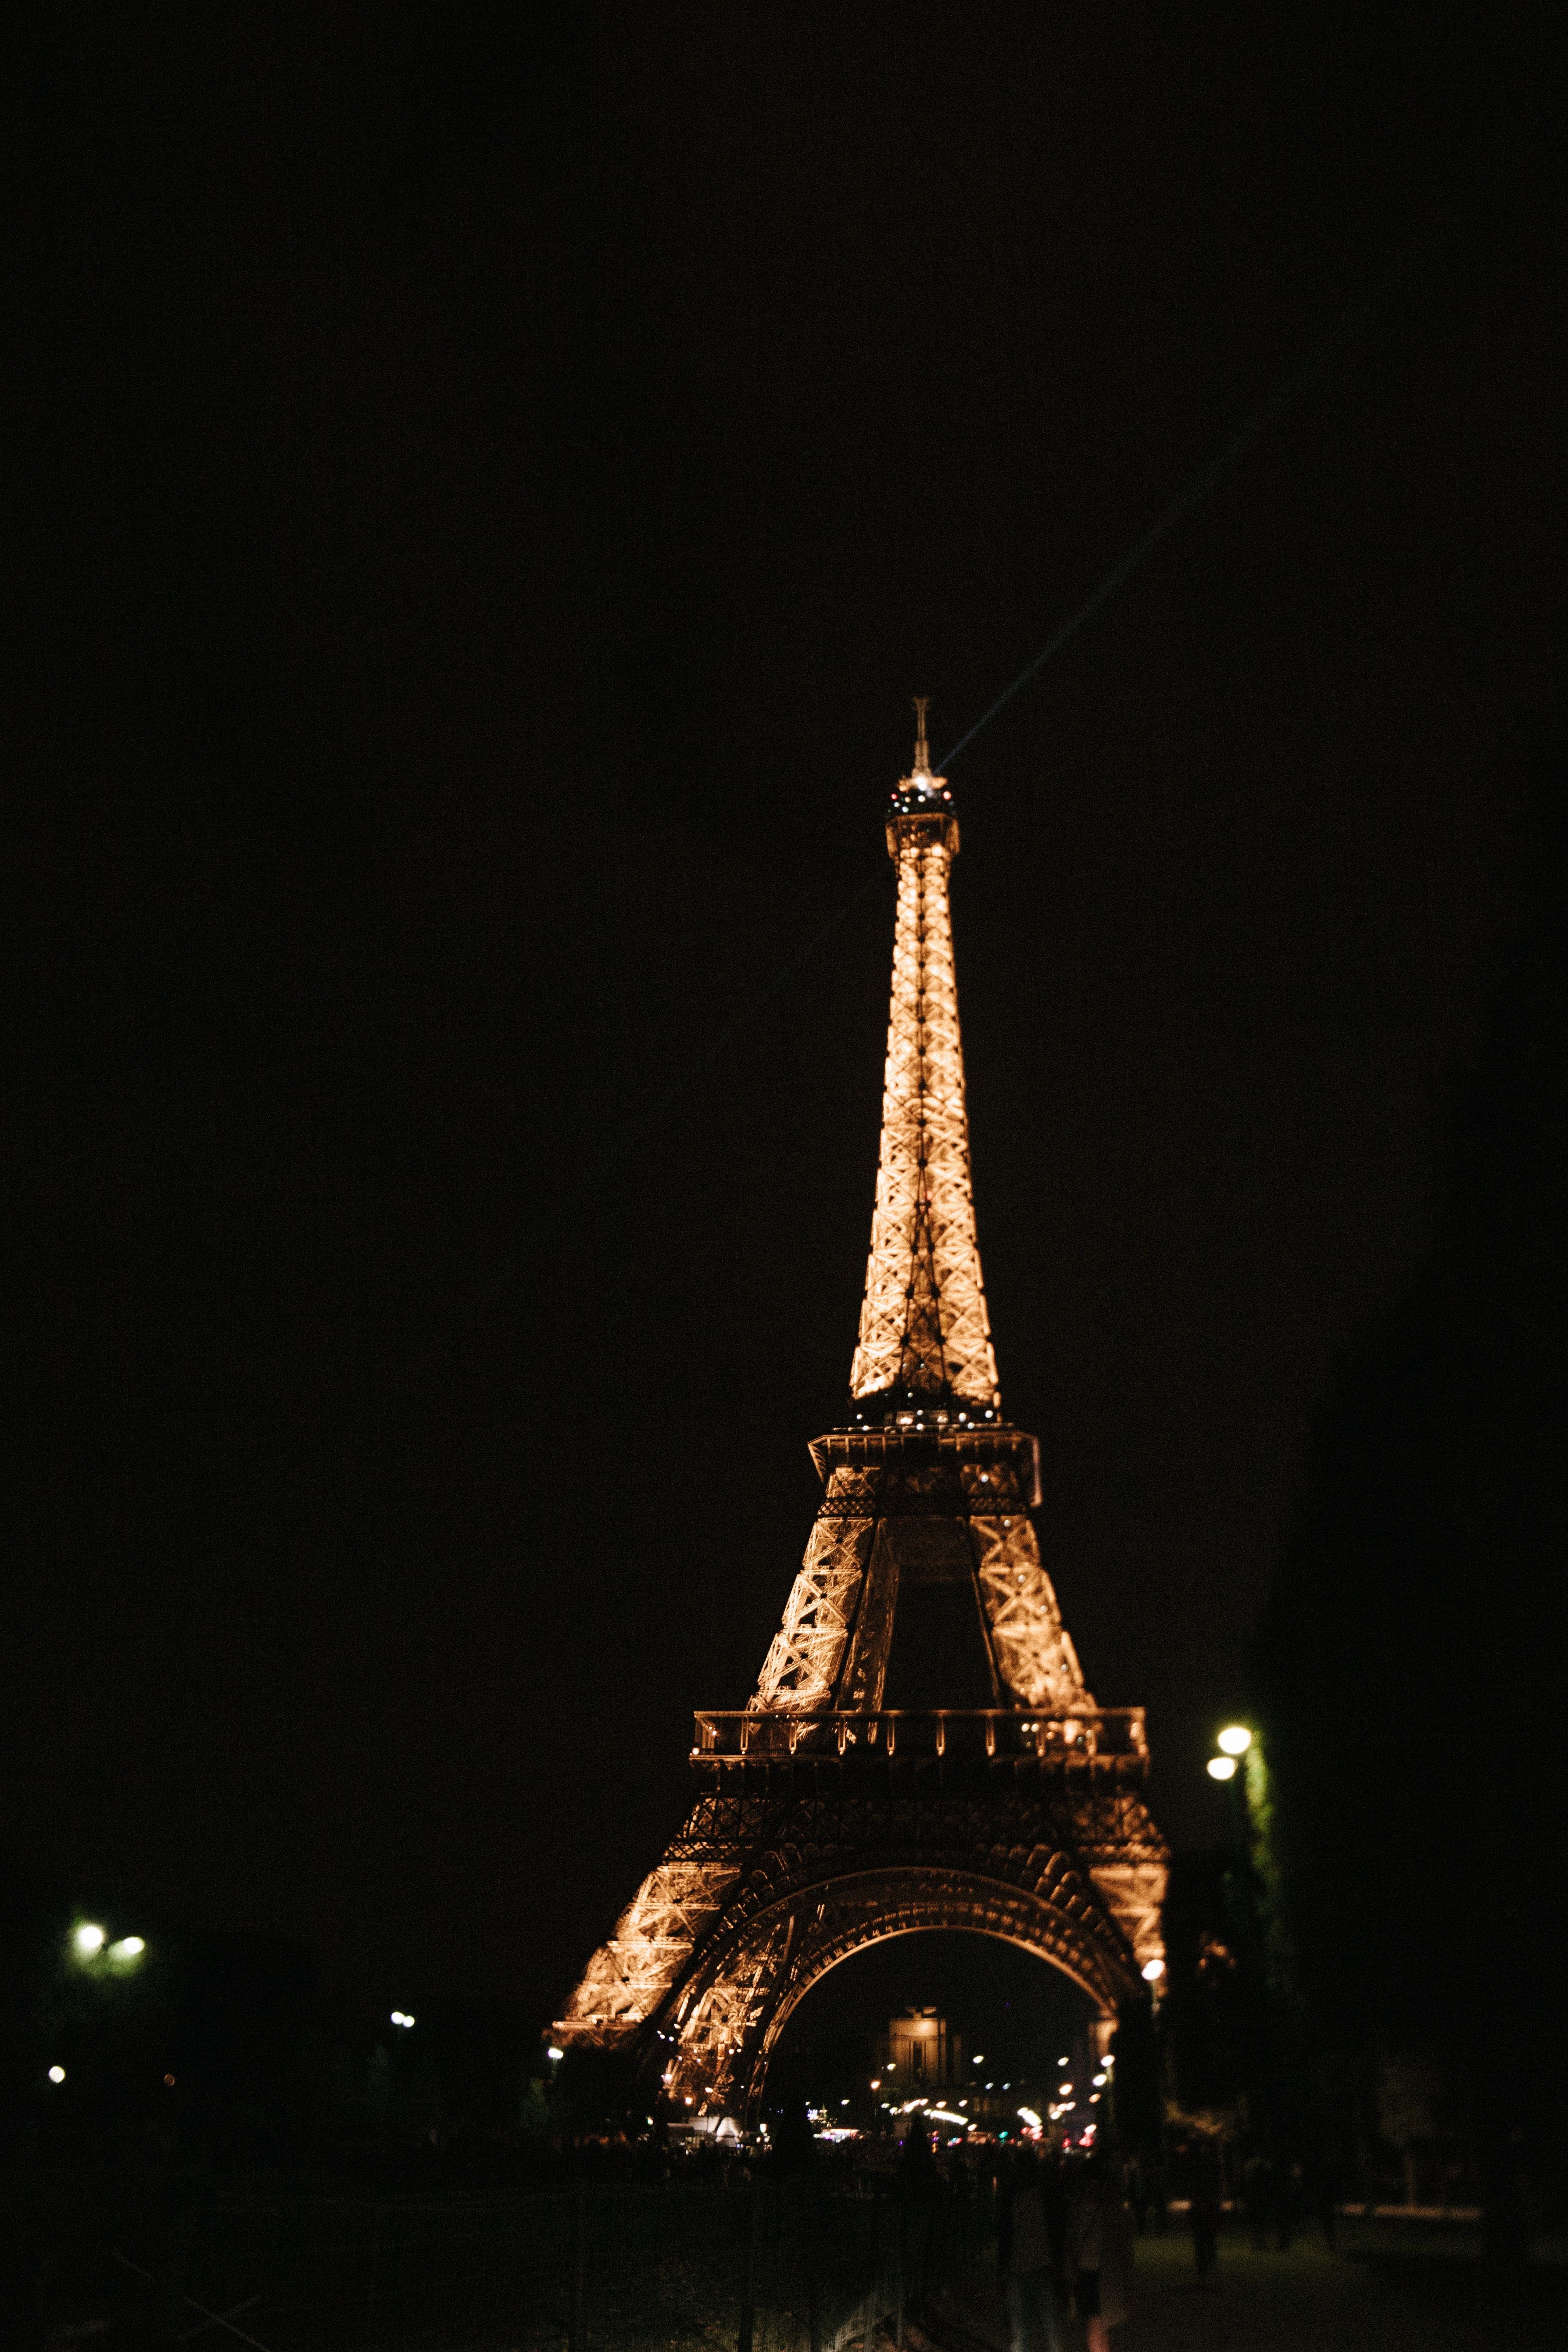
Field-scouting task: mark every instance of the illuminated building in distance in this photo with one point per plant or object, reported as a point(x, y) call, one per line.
point(923, 2052)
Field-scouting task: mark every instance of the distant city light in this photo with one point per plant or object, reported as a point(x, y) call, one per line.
point(128, 1947)
point(1236, 1739)
point(978, 2059)
point(1031, 2117)
point(1099, 2082)
point(1064, 2090)
point(1222, 1767)
point(400, 2017)
point(553, 2052)
point(89, 1939)
point(1153, 1971)
point(56, 2073)
point(168, 2082)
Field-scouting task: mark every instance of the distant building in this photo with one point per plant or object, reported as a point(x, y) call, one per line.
point(920, 2053)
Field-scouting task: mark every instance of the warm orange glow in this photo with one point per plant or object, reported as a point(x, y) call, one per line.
point(927, 1484)
point(923, 1325)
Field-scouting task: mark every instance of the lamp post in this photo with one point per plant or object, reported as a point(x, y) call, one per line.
point(1235, 1743)
point(1226, 1767)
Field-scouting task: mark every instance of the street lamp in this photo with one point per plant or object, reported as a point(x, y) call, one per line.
point(1222, 1767)
point(1235, 1740)
point(90, 1942)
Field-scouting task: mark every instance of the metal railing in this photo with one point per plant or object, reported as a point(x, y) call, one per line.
point(1089, 1735)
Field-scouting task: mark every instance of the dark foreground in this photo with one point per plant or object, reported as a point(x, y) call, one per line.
point(824, 2264)
point(1400, 2299)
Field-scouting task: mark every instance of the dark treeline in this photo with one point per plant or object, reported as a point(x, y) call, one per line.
point(1409, 1656)
point(215, 2054)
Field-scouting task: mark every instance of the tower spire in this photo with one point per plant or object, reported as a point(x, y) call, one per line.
point(924, 1331)
point(922, 753)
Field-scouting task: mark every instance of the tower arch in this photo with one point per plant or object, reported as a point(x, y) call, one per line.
point(980, 1908)
point(719, 2034)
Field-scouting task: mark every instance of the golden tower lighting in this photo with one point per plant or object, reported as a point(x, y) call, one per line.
point(828, 1815)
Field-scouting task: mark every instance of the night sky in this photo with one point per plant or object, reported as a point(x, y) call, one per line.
point(481, 509)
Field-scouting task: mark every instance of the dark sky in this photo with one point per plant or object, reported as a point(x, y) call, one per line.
point(483, 506)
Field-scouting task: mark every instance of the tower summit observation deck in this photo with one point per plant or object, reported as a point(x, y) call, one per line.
point(921, 1750)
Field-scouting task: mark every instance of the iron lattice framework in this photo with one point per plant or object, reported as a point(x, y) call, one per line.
point(924, 1331)
point(825, 1819)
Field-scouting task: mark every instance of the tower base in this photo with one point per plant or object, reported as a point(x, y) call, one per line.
point(810, 1841)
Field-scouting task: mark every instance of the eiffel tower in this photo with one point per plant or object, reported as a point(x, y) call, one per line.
point(921, 1750)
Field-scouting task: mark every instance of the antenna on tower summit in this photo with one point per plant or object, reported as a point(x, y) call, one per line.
point(922, 753)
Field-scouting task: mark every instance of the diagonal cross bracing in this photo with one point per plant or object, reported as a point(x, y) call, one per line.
point(801, 1669)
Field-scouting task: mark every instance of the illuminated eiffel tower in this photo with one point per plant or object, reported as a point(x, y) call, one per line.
point(920, 1751)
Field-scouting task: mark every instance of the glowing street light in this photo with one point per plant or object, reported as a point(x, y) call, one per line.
point(1222, 1767)
point(56, 2073)
point(1153, 1971)
point(400, 2017)
point(1235, 1740)
point(128, 1949)
point(89, 1939)
point(553, 2054)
